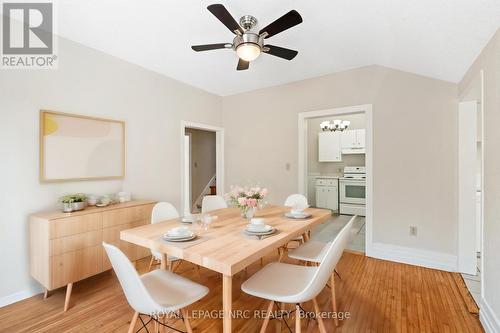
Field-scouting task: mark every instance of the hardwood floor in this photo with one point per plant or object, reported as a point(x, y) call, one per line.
point(380, 296)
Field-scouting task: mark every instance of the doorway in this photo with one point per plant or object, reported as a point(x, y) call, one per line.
point(202, 164)
point(307, 181)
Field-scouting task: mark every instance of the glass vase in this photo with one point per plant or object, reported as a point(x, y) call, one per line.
point(248, 212)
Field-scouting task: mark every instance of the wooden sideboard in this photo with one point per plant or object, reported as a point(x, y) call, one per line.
point(67, 247)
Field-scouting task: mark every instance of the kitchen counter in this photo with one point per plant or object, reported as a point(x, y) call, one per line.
point(327, 177)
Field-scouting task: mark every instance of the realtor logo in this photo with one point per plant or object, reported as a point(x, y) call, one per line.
point(28, 35)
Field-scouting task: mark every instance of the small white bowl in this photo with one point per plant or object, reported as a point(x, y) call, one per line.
point(179, 231)
point(257, 221)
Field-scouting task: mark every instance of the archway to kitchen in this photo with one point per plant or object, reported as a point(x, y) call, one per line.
point(320, 137)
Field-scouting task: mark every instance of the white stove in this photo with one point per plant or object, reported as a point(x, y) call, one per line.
point(354, 172)
point(353, 191)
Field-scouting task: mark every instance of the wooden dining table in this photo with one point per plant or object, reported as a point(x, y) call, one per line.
point(224, 247)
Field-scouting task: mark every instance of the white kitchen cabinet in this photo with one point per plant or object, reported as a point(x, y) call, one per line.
point(327, 193)
point(353, 141)
point(329, 147)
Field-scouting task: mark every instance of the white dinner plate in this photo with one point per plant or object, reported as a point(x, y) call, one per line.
point(258, 228)
point(182, 235)
point(264, 233)
point(297, 216)
point(184, 239)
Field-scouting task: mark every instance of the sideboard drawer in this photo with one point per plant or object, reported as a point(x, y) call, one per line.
point(75, 225)
point(75, 242)
point(128, 215)
point(116, 217)
point(142, 212)
point(75, 266)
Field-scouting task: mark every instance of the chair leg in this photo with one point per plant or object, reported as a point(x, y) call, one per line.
point(132, 322)
point(298, 327)
point(336, 272)
point(151, 263)
point(282, 254)
point(174, 269)
point(319, 319)
point(46, 294)
point(261, 262)
point(334, 300)
point(198, 271)
point(279, 318)
point(186, 321)
point(268, 316)
point(69, 288)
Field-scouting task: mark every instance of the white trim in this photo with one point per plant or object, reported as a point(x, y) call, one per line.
point(490, 321)
point(187, 196)
point(467, 159)
point(219, 164)
point(482, 185)
point(302, 165)
point(412, 256)
point(19, 296)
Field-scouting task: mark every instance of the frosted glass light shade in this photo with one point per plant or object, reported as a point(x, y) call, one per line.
point(248, 51)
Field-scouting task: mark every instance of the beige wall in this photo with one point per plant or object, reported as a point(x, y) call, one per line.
point(91, 83)
point(489, 61)
point(203, 160)
point(415, 147)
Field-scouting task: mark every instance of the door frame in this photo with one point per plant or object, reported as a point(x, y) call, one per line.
point(219, 159)
point(467, 157)
point(463, 251)
point(303, 150)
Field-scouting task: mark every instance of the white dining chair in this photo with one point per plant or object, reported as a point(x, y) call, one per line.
point(154, 294)
point(313, 252)
point(303, 283)
point(294, 201)
point(212, 202)
point(297, 201)
point(162, 211)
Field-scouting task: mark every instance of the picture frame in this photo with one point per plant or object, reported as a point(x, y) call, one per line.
point(80, 148)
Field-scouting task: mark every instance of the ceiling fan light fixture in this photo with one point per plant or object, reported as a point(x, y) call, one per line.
point(248, 51)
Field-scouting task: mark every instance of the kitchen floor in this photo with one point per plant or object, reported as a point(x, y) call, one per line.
point(327, 231)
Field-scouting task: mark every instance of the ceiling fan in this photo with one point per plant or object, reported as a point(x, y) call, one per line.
point(248, 43)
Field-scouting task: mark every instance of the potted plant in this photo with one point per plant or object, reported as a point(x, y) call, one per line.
point(73, 202)
point(247, 199)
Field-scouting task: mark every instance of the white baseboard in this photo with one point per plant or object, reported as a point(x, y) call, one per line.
point(417, 257)
point(18, 296)
point(488, 318)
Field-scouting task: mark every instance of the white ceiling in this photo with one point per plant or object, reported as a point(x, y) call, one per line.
point(436, 38)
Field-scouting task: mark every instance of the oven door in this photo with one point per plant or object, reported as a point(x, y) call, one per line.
point(353, 191)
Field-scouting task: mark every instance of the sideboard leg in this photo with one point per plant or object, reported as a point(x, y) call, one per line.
point(68, 296)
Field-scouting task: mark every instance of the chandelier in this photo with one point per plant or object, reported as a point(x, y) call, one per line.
point(333, 126)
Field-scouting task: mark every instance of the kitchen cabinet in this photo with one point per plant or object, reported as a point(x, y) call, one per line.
point(329, 147)
point(327, 193)
point(353, 141)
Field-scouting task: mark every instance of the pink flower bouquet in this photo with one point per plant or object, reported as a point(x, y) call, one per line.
point(247, 199)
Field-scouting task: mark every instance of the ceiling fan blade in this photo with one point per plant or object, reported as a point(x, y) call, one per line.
point(242, 65)
point(281, 52)
point(223, 15)
point(207, 47)
point(290, 19)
